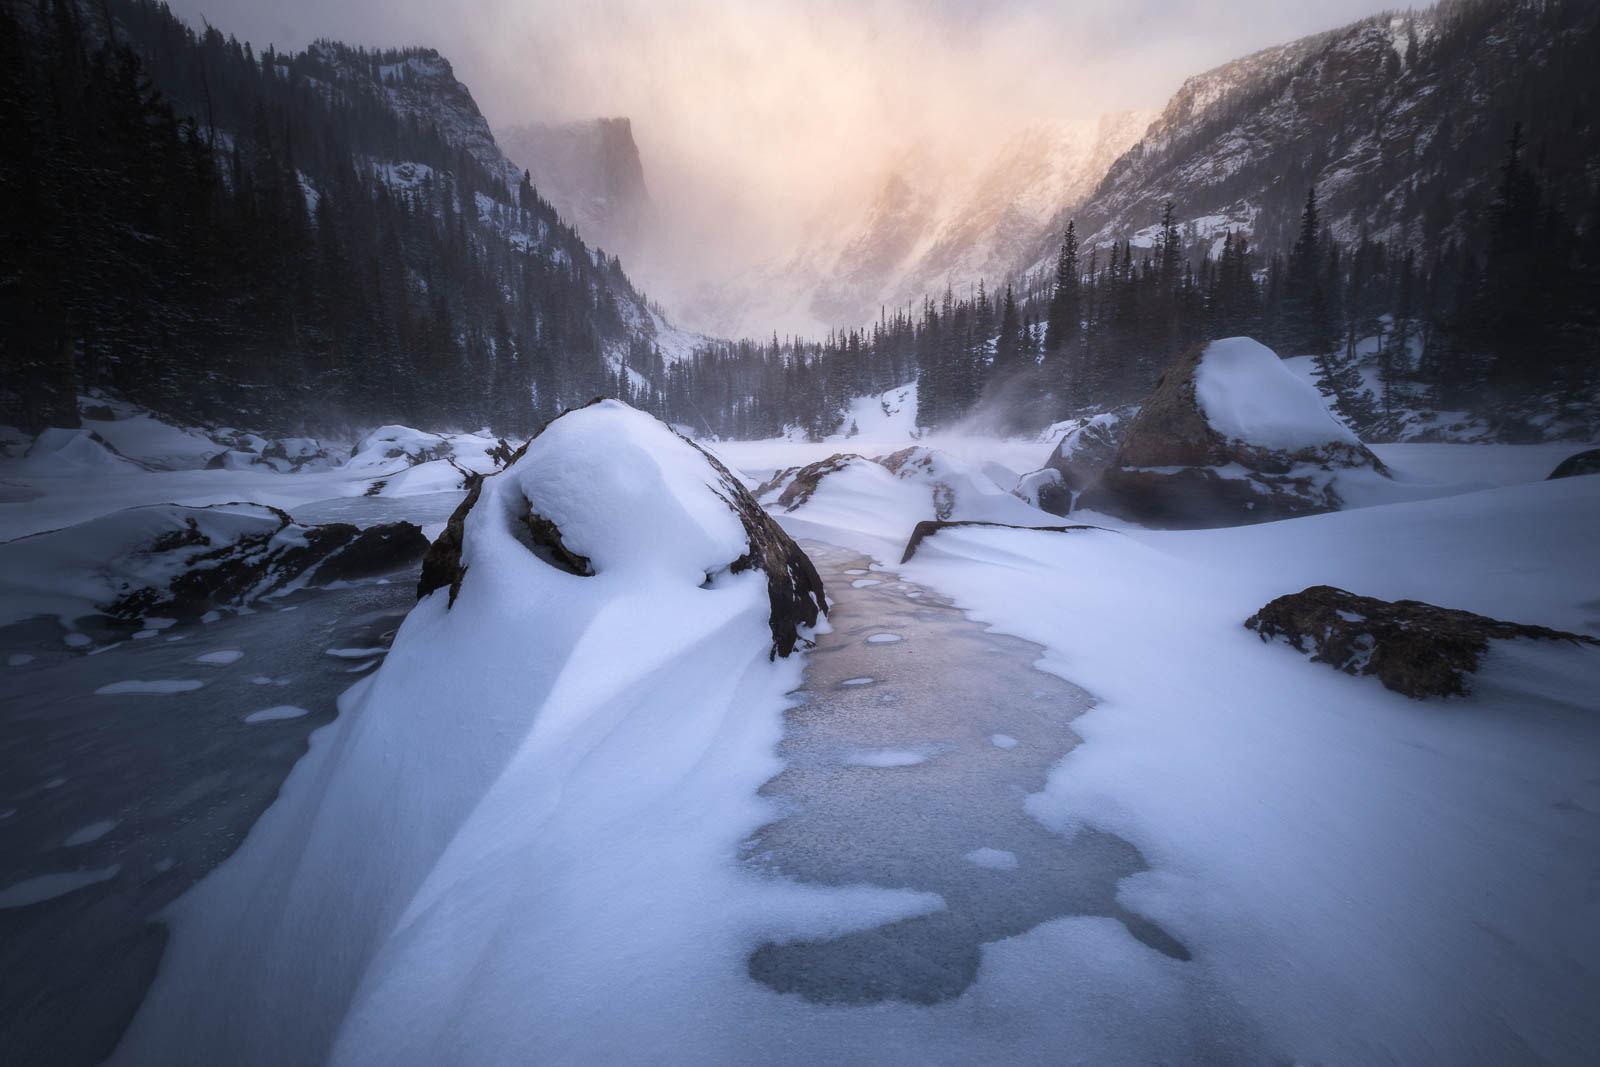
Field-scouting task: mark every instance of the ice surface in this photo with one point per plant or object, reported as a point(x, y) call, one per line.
point(1003, 741)
point(884, 639)
point(1247, 394)
point(221, 658)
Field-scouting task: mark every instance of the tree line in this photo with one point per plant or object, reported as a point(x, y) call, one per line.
point(226, 236)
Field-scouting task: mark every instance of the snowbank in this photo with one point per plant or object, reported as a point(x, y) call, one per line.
point(1370, 879)
point(530, 809)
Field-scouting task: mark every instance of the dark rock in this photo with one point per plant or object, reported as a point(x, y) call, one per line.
point(442, 566)
point(1173, 469)
point(99, 413)
point(1079, 459)
point(800, 482)
point(213, 574)
point(928, 527)
point(1578, 464)
point(794, 588)
point(1412, 647)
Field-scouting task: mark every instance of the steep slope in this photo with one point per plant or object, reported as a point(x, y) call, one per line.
point(283, 240)
point(1399, 120)
point(932, 220)
point(592, 173)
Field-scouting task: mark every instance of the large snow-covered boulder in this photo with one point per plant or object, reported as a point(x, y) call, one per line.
point(606, 490)
point(1230, 435)
point(1076, 463)
point(175, 561)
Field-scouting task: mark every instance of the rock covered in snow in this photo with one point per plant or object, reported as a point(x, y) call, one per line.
point(1412, 647)
point(170, 560)
point(794, 485)
point(387, 444)
point(1578, 464)
point(1075, 464)
point(608, 490)
point(1229, 435)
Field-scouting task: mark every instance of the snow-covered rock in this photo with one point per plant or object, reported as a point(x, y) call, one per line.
point(608, 490)
point(1076, 462)
point(1230, 435)
point(1413, 648)
point(175, 561)
point(1578, 464)
point(392, 447)
point(60, 451)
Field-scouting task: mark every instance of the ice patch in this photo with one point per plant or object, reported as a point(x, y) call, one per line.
point(1002, 741)
point(281, 711)
point(93, 832)
point(19, 659)
point(77, 640)
point(356, 653)
point(154, 687)
point(884, 639)
point(221, 658)
point(863, 583)
point(855, 570)
point(996, 859)
point(857, 681)
point(49, 886)
point(884, 757)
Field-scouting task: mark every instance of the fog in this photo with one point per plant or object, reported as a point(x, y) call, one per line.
point(753, 117)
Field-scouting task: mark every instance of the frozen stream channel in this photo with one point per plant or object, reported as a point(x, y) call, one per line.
point(916, 741)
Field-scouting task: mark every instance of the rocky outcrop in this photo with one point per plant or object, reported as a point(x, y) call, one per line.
point(1411, 647)
point(1578, 464)
point(178, 562)
point(794, 589)
point(1180, 466)
point(798, 483)
point(928, 527)
point(1075, 464)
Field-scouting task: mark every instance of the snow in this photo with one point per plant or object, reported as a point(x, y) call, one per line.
point(887, 416)
point(220, 658)
point(49, 886)
point(885, 757)
point(884, 639)
point(154, 687)
point(549, 740)
point(996, 859)
point(273, 714)
point(1350, 867)
point(93, 832)
point(1002, 741)
point(1247, 394)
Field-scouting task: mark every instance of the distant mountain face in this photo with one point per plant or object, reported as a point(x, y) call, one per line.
point(1400, 121)
point(591, 172)
point(922, 228)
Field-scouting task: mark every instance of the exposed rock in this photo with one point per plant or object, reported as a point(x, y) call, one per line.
point(234, 460)
point(1176, 467)
point(794, 589)
point(1076, 462)
point(927, 465)
point(1412, 647)
point(1578, 464)
point(176, 561)
point(928, 527)
point(798, 483)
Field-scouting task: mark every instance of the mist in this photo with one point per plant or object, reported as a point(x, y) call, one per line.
point(756, 119)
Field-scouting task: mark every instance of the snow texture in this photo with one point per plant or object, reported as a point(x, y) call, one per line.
point(1247, 394)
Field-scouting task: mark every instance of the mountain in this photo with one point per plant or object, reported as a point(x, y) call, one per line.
point(278, 240)
point(932, 220)
point(1399, 120)
point(591, 172)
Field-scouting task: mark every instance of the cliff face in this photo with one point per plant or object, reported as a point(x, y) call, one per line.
point(1400, 121)
point(592, 173)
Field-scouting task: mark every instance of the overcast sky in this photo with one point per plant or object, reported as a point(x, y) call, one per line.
point(752, 113)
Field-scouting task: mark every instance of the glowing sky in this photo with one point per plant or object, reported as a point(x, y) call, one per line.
point(751, 115)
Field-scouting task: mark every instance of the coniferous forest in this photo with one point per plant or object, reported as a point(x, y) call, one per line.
point(228, 237)
point(221, 235)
